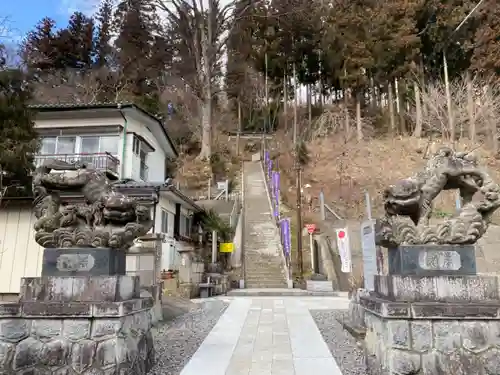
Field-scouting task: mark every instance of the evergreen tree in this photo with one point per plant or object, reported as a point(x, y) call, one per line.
point(486, 55)
point(18, 138)
point(135, 25)
point(39, 51)
point(103, 41)
point(74, 45)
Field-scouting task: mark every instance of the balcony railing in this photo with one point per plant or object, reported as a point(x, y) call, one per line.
point(102, 161)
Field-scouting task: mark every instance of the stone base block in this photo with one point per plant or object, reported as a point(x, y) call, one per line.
point(188, 290)
point(469, 288)
point(80, 289)
point(83, 262)
point(107, 341)
point(431, 347)
point(432, 260)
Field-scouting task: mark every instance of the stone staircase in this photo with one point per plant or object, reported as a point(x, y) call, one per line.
point(261, 247)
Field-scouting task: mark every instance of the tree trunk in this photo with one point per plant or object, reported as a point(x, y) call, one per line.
point(470, 109)
point(359, 129)
point(418, 108)
point(205, 77)
point(206, 129)
point(390, 103)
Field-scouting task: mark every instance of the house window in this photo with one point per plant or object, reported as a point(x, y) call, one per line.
point(136, 145)
point(66, 145)
point(48, 145)
point(185, 226)
point(188, 226)
point(77, 145)
point(99, 144)
point(164, 221)
point(143, 171)
point(58, 145)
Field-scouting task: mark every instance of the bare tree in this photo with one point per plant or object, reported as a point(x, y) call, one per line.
point(482, 95)
point(202, 32)
point(81, 87)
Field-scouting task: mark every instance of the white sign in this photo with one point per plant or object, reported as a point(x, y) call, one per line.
point(344, 249)
point(369, 253)
point(221, 185)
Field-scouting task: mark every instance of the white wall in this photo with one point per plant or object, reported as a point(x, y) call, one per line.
point(155, 160)
point(79, 122)
point(20, 255)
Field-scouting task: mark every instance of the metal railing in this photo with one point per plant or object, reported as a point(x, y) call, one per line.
point(100, 160)
point(233, 216)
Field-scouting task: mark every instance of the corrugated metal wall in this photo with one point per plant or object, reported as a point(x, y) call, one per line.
point(20, 255)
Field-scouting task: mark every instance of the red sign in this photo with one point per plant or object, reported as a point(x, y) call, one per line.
point(311, 228)
point(341, 234)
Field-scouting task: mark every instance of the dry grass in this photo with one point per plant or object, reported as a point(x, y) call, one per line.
point(345, 170)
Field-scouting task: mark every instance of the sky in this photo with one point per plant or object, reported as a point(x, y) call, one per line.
point(22, 15)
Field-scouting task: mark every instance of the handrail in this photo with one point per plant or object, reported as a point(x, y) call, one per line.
point(333, 212)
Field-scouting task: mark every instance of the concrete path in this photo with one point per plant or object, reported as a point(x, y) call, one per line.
point(267, 336)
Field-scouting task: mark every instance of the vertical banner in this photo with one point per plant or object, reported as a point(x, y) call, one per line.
point(369, 253)
point(344, 249)
point(286, 236)
point(276, 184)
point(266, 158)
point(269, 169)
point(271, 186)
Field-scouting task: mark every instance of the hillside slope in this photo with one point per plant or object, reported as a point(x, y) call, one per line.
point(346, 170)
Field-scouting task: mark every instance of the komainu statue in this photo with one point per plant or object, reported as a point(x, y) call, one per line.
point(408, 203)
point(106, 218)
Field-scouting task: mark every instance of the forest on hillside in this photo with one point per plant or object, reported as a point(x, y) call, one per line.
point(205, 66)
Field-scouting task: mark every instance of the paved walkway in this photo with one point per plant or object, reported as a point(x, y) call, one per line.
point(267, 336)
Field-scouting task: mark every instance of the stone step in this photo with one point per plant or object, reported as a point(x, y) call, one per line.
point(262, 273)
point(266, 286)
point(278, 292)
point(265, 278)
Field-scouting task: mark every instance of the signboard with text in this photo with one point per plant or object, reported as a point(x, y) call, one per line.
point(369, 253)
point(226, 247)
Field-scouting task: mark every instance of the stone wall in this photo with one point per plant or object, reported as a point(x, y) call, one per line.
point(190, 277)
point(432, 347)
point(72, 325)
point(119, 345)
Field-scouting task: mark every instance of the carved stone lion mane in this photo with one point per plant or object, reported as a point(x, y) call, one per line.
point(105, 218)
point(408, 203)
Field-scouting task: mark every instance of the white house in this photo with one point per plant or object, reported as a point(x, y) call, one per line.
point(121, 139)
point(173, 217)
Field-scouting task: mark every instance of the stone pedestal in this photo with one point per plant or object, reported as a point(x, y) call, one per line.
point(77, 325)
point(432, 260)
point(83, 262)
point(435, 324)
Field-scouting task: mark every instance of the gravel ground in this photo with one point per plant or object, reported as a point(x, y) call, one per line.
point(177, 340)
point(342, 345)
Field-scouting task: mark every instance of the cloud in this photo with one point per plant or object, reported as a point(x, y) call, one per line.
point(87, 7)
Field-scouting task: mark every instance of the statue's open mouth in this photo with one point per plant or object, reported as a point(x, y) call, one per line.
point(471, 181)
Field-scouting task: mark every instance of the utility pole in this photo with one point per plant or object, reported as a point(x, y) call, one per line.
point(298, 182)
point(238, 136)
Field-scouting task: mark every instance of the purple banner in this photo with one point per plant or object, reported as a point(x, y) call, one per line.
point(276, 183)
point(269, 168)
point(286, 236)
point(266, 157)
